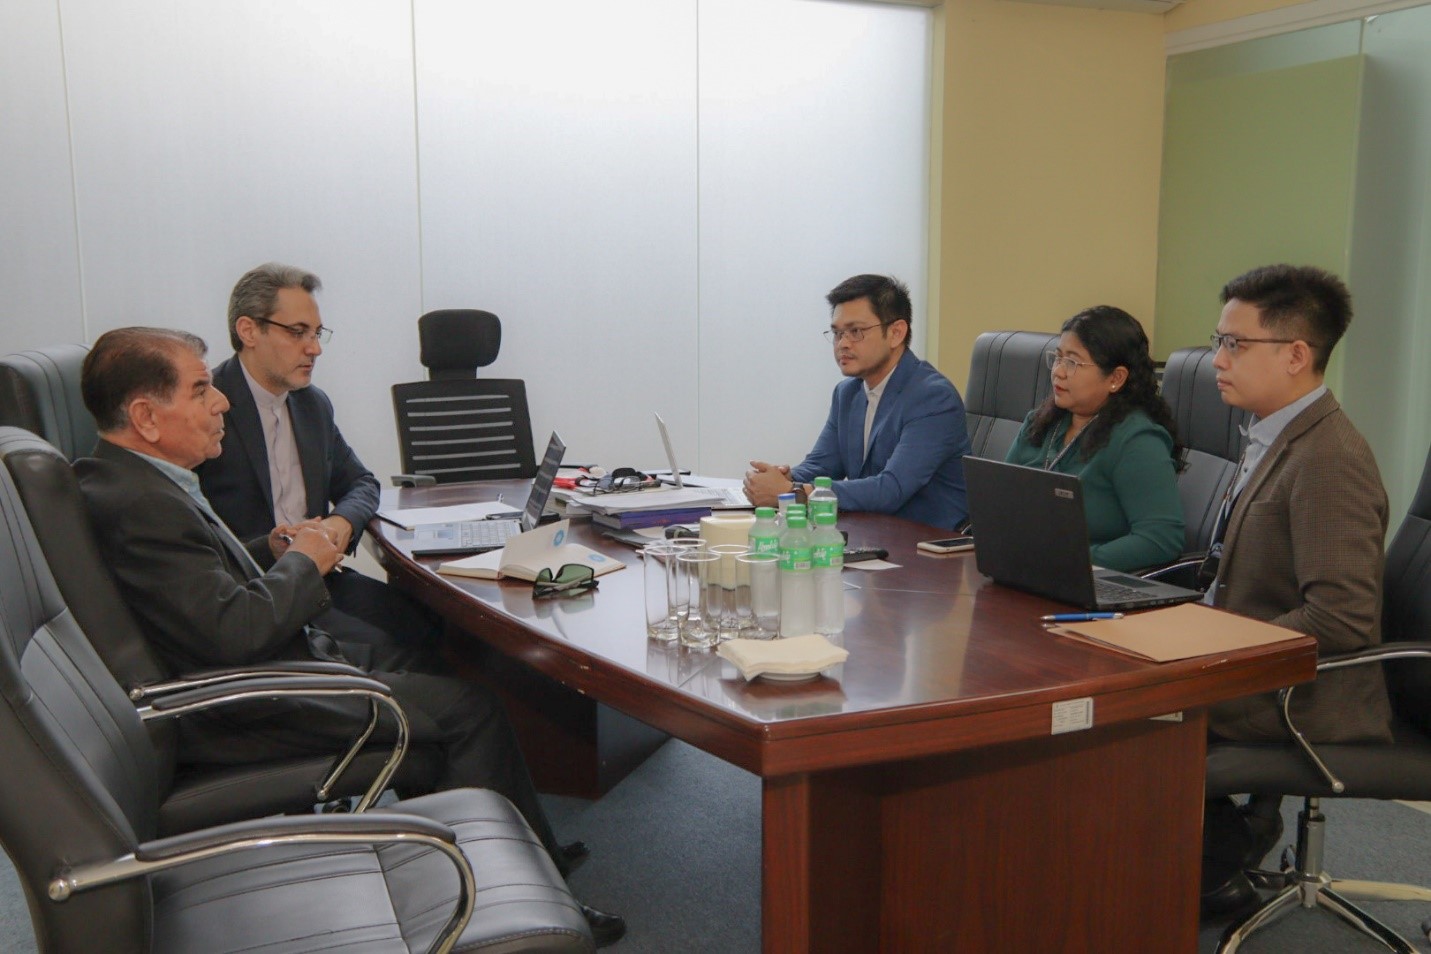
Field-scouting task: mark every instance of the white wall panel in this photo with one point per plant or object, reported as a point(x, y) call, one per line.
point(653, 194)
point(210, 137)
point(813, 130)
point(558, 161)
point(39, 262)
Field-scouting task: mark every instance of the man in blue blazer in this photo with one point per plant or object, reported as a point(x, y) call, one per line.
point(896, 437)
point(284, 461)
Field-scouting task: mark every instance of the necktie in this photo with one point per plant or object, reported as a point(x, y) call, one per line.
point(280, 454)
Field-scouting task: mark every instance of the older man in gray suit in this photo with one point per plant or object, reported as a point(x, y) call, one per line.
point(1300, 539)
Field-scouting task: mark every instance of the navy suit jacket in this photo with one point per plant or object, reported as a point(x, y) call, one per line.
point(915, 465)
point(237, 484)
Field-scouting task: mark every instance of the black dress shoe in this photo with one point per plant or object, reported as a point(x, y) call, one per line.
point(607, 929)
point(1266, 831)
point(1232, 896)
point(569, 856)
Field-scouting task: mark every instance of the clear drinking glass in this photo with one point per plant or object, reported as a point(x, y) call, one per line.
point(726, 588)
point(697, 572)
point(763, 571)
point(659, 561)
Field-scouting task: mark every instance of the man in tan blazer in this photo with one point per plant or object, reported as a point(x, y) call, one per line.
point(1300, 540)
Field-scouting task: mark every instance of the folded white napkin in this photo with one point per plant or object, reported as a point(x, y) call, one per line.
point(794, 656)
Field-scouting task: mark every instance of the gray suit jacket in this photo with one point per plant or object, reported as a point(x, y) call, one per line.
point(1304, 549)
point(184, 581)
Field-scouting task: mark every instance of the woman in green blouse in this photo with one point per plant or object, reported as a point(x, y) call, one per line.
point(1106, 422)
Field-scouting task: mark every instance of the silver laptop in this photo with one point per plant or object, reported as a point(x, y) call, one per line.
point(475, 536)
point(731, 498)
point(1031, 533)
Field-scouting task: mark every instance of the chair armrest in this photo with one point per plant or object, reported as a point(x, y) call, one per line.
point(1187, 561)
point(383, 829)
point(303, 686)
point(1386, 652)
point(260, 687)
point(206, 677)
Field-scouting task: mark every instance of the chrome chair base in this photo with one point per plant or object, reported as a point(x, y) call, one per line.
point(1303, 883)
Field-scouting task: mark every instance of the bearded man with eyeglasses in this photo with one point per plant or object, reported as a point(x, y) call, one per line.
point(896, 436)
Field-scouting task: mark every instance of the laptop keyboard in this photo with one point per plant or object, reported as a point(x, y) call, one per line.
point(1109, 592)
point(473, 534)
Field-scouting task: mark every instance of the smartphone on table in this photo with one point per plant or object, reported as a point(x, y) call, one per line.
point(947, 545)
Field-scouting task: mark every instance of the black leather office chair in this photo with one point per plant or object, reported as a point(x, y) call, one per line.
point(1400, 769)
point(1210, 430)
point(40, 391)
point(78, 816)
point(190, 797)
point(456, 426)
point(1008, 377)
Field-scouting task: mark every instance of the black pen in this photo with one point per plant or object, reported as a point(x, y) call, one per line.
point(389, 520)
point(1078, 617)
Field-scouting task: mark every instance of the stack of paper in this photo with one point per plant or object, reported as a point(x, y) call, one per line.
point(668, 498)
point(796, 656)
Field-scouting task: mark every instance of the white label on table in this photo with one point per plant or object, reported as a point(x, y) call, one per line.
point(1072, 715)
point(1170, 717)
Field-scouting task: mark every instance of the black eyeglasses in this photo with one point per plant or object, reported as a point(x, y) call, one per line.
point(571, 579)
point(300, 332)
point(855, 334)
point(622, 480)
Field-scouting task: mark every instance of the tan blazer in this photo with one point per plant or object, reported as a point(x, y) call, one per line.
point(1304, 549)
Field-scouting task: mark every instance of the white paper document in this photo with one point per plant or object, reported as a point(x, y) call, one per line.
point(413, 517)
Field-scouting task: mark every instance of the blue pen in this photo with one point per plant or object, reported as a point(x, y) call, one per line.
point(1078, 617)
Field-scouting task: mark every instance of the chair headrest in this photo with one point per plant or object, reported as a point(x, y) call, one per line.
point(40, 391)
point(457, 341)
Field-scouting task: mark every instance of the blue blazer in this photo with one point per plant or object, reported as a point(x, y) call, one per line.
point(915, 465)
point(237, 484)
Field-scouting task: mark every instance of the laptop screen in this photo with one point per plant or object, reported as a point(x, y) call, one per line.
point(542, 483)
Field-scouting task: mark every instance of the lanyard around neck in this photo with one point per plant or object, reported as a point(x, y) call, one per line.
point(1051, 463)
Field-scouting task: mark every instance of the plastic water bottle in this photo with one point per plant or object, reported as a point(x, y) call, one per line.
point(783, 503)
point(765, 532)
point(822, 499)
point(827, 559)
point(797, 584)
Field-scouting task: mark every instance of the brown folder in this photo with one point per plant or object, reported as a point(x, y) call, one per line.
point(1177, 632)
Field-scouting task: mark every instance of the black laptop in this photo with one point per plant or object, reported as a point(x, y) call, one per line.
point(1031, 533)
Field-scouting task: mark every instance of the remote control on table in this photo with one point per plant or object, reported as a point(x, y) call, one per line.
point(860, 554)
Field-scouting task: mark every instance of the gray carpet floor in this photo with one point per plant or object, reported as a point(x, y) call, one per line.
point(676, 850)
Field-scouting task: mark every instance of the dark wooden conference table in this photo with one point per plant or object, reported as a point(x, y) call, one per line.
point(915, 799)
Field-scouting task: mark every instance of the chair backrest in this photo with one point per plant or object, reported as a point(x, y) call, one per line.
point(1209, 429)
point(79, 777)
point(40, 391)
point(465, 429)
point(455, 342)
point(50, 493)
point(1008, 377)
point(1406, 605)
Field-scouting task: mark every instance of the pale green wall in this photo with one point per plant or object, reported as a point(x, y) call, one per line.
point(1387, 365)
point(1258, 168)
point(1313, 147)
